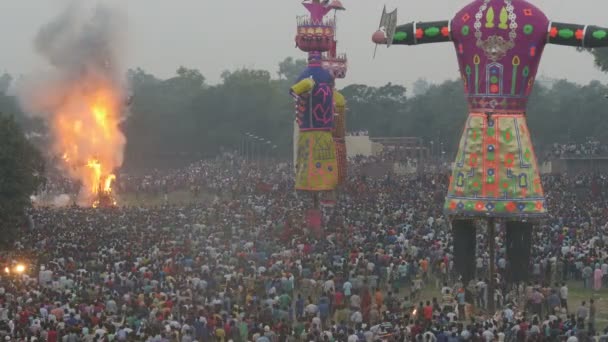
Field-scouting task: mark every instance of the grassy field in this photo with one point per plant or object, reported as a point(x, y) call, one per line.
point(577, 294)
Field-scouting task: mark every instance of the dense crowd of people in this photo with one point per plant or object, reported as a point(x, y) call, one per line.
point(591, 148)
point(244, 267)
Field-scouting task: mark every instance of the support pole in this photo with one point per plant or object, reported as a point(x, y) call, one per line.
point(492, 247)
point(315, 200)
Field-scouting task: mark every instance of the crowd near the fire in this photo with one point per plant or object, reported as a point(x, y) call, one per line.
point(242, 266)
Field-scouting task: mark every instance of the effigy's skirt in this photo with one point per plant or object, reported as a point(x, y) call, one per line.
point(495, 173)
point(341, 158)
point(316, 165)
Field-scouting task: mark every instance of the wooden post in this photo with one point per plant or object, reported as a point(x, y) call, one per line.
point(492, 243)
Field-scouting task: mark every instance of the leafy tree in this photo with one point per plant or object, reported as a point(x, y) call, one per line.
point(21, 173)
point(375, 109)
point(157, 129)
point(5, 82)
point(438, 115)
point(420, 86)
point(180, 119)
point(290, 68)
point(601, 58)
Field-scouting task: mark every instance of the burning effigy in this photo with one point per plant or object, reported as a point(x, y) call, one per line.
point(81, 97)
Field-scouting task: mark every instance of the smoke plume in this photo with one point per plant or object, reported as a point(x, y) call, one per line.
point(81, 42)
point(80, 92)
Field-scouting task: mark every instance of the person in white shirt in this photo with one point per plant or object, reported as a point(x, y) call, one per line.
point(311, 309)
point(356, 317)
point(429, 336)
point(44, 313)
point(355, 301)
point(3, 313)
point(572, 339)
point(347, 287)
point(446, 290)
point(479, 265)
point(369, 336)
point(316, 322)
point(502, 263)
point(563, 295)
point(329, 286)
point(515, 329)
point(488, 335)
point(509, 314)
point(481, 293)
point(465, 334)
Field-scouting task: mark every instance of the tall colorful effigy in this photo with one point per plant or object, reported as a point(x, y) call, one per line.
point(336, 64)
point(316, 163)
point(498, 44)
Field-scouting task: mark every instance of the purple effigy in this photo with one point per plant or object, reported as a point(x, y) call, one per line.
point(498, 44)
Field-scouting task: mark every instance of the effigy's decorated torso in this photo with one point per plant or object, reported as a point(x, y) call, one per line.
point(499, 44)
point(315, 107)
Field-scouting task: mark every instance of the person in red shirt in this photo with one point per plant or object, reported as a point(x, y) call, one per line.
point(52, 335)
point(379, 298)
point(428, 311)
point(338, 299)
point(24, 318)
point(416, 329)
point(366, 303)
point(227, 328)
point(94, 320)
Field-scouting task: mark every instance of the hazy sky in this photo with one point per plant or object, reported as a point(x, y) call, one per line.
point(214, 36)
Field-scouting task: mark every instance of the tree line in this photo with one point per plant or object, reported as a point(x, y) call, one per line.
point(176, 120)
point(183, 118)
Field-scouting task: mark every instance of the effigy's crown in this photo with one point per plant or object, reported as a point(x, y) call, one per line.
point(315, 35)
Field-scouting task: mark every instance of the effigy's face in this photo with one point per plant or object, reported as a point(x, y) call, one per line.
point(499, 44)
point(337, 67)
point(314, 36)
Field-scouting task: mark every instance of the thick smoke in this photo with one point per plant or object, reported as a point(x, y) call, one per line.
point(83, 44)
point(80, 93)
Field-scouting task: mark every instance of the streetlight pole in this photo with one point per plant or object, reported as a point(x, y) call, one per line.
point(268, 145)
point(254, 140)
point(242, 145)
point(246, 146)
point(251, 147)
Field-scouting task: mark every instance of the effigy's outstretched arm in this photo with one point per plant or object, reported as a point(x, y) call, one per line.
point(422, 33)
point(585, 36)
point(415, 33)
point(302, 87)
point(410, 34)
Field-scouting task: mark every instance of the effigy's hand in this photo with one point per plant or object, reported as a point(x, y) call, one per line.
point(294, 95)
point(389, 33)
point(379, 37)
point(303, 87)
point(386, 30)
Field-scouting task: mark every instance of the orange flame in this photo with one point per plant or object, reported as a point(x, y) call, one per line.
point(88, 137)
